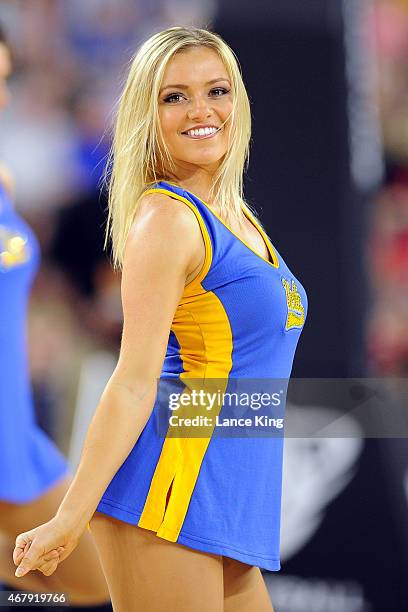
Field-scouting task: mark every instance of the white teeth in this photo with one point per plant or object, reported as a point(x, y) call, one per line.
point(202, 131)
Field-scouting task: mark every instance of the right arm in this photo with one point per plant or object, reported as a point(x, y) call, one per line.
point(156, 265)
point(162, 249)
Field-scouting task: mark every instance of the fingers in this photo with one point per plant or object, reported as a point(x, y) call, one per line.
point(46, 564)
point(51, 556)
point(31, 552)
point(49, 563)
point(42, 548)
point(19, 553)
point(34, 558)
point(49, 568)
point(22, 545)
point(64, 552)
point(17, 556)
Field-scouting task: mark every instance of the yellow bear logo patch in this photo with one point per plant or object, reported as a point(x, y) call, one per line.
point(14, 249)
point(296, 311)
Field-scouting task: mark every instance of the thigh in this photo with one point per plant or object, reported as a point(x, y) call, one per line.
point(80, 575)
point(145, 572)
point(244, 588)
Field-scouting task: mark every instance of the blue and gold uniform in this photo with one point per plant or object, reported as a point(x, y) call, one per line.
point(240, 319)
point(29, 462)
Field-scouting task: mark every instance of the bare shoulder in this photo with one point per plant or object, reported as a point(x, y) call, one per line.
point(7, 179)
point(169, 225)
point(161, 209)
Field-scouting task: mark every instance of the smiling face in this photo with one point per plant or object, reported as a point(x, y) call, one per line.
point(5, 70)
point(195, 103)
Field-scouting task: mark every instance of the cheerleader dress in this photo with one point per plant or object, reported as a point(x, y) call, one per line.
point(237, 323)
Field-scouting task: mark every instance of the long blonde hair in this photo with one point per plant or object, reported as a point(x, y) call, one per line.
point(134, 157)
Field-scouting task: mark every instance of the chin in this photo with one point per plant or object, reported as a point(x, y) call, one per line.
point(205, 159)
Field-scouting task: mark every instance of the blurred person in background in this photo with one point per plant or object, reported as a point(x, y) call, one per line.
point(387, 246)
point(197, 518)
point(387, 250)
point(34, 475)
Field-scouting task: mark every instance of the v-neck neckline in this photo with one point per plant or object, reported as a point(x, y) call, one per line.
point(275, 260)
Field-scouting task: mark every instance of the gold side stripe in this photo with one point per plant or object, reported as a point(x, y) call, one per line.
point(198, 326)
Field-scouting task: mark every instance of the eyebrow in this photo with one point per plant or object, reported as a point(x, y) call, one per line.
point(180, 86)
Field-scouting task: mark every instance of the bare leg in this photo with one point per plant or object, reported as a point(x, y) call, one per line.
point(80, 575)
point(145, 572)
point(244, 588)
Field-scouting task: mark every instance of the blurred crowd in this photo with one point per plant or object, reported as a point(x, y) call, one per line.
point(70, 59)
point(387, 249)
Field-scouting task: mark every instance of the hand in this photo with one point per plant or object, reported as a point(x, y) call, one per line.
point(44, 547)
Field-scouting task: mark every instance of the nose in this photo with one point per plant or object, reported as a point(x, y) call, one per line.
point(199, 109)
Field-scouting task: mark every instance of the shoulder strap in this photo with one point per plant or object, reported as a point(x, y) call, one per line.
point(177, 194)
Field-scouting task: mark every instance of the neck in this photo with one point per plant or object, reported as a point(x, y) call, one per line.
point(198, 181)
